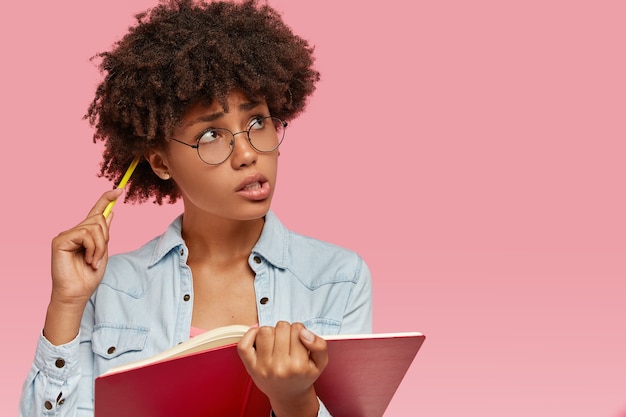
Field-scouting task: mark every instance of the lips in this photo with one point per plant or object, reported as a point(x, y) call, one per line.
point(252, 182)
point(254, 187)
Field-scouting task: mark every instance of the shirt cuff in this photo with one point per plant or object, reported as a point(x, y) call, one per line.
point(322, 412)
point(58, 362)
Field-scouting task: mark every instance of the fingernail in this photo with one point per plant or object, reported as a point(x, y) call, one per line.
point(98, 264)
point(307, 335)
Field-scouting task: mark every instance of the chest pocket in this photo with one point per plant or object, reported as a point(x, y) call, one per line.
point(111, 340)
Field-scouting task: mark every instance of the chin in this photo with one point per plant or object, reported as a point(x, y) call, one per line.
point(257, 211)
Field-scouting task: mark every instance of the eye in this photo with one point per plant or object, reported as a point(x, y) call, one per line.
point(211, 136)
point(259, 123)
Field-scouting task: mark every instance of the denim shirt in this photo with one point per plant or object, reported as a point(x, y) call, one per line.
point(144, 304)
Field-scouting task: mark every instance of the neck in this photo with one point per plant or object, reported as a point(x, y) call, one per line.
point(219, 239)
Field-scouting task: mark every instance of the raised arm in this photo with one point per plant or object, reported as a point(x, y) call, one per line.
point(79, 257)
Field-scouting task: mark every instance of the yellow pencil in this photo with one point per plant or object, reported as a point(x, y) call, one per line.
point(122, 184)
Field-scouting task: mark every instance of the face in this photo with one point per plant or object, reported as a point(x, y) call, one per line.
point(239, 188)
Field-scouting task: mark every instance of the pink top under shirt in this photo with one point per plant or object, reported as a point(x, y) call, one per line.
point(195, 331)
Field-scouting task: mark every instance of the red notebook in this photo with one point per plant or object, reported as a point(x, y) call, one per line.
point(363, 373)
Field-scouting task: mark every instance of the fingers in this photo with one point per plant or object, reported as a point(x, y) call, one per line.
point(90, 237)
point(96, 241)
point(104, 200)
point(285, 344)
point(246, 347)
point(317, 347)
point(283, 340)
point(284, 362)
point(271, 343)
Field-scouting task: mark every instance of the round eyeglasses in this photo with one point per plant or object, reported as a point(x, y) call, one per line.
point(215, 145)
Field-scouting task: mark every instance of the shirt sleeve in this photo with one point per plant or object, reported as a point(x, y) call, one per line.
point(60, 381)
point(52, 381)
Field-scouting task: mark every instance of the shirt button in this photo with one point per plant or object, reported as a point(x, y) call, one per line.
point(186, 297)
point(111, 350)
point(257, 260)
point(59, 363)
point(264, 300)
point(48, 405)
point(182, 252)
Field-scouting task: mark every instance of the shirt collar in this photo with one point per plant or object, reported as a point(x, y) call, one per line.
point(272, 244)
point(171, 239)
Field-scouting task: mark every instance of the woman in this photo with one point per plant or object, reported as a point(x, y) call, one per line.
point(203, 93)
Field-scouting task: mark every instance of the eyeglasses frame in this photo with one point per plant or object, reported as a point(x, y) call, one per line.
point(232, 142)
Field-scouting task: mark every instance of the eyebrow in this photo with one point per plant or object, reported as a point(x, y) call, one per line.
point(247, 106)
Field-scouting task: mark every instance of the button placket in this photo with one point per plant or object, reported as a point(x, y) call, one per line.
point(262, 289)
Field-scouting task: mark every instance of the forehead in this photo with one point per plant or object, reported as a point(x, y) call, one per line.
point(235, 102)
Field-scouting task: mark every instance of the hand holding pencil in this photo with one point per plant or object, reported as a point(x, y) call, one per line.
point(122, 184)
point(79, 258)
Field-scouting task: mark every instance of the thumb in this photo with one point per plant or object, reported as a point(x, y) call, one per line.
point(316, 346)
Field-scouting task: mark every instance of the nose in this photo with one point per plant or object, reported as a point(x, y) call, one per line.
point(243, 153)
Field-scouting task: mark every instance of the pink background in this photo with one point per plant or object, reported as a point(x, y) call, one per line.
point(471, 151)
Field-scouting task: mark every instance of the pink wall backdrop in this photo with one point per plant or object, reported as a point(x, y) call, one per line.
point(471, 151)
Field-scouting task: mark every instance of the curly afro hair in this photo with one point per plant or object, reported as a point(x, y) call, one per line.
point(182, 52)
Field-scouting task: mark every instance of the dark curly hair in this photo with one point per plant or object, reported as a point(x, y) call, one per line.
point(182, 52)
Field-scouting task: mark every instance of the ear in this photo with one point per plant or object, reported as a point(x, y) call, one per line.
point(158, 161)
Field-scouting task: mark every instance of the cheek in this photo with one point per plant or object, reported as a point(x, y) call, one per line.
point(203, 182)
point(271, 164)
point(200, 192)
point(184, 162)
